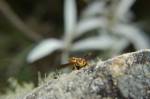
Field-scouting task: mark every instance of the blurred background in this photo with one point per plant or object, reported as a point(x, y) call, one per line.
point(39, 35)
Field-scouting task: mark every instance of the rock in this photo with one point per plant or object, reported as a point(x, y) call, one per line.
point(122, 77)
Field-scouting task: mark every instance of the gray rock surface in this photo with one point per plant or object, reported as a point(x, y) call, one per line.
point(122, 77)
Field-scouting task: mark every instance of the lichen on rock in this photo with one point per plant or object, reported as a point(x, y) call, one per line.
point(124, 76)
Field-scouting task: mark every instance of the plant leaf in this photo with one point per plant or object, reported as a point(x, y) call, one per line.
point(123, 10)
point(70, 16)
point(90, 24)
point(136, 37)
point(95, 8)
point(43, 49)
point(94, 43)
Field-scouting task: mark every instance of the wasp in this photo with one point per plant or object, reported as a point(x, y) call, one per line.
point(76, 62)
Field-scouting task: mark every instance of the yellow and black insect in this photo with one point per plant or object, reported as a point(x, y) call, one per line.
point(76, 62)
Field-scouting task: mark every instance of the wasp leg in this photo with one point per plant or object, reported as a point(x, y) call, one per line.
point(74, 67)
